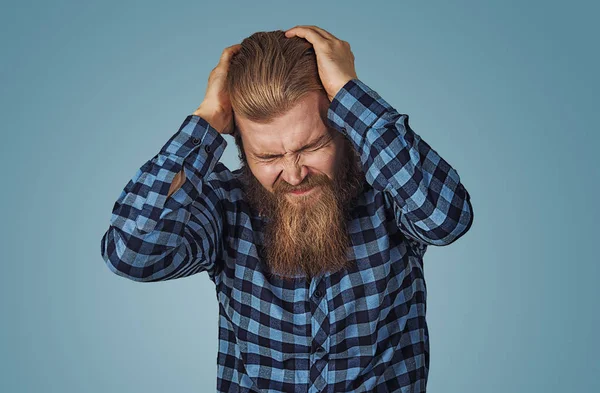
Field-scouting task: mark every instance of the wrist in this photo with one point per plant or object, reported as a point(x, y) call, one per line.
point(213, 116)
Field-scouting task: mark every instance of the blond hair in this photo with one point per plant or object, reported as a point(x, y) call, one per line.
point(270, 74)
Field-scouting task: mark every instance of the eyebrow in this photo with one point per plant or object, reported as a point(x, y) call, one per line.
point(320, 140)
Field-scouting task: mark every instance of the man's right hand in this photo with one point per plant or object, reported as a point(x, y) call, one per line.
point(216, 106)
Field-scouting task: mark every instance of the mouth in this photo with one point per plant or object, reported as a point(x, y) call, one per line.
point(302, 192)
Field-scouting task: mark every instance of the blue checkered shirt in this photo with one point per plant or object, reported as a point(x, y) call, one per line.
point(361, 329)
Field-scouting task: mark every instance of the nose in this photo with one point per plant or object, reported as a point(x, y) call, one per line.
point(294, 172)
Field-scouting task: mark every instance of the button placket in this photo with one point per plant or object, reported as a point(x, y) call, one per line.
point(320, 335)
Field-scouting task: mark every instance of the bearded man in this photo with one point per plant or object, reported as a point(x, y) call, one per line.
point(306, 216)
point(316, 243)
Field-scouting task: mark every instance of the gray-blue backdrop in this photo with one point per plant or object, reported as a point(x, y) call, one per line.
point(506, 91)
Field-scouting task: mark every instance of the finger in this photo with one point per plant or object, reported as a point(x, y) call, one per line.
point(227, 54)
point(296, 28)
point(230, 51)
point(309, 34)
point(323, 32)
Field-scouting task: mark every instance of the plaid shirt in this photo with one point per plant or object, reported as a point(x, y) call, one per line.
point(362, 329)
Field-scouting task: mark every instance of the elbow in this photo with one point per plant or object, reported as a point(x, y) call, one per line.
point(455, 226)
point(122, 261)
point(463, 224)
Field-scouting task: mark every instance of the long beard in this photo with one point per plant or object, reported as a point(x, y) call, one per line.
point(308, 237)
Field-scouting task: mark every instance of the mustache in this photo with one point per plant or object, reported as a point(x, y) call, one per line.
point(308, 182)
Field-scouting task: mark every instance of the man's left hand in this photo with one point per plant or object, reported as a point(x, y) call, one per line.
point(335, 60)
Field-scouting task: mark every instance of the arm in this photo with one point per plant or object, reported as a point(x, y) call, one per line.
point(153, 235)
point(430, 203)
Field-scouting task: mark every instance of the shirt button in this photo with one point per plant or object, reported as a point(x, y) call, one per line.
point(318, 349)
point(207, 148)
point(195, 141)
point(318, 293)
point(344, 129)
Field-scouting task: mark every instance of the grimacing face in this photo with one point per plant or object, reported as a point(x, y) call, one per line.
point(293, 146)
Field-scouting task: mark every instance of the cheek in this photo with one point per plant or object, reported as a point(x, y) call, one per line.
point(265, 174)
point(322, 162)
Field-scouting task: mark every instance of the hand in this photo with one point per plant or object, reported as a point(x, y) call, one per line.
point(216, 106)
point(335, 60)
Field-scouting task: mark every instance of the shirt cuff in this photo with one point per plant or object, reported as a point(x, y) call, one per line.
point(196, 147)
point(194, 131)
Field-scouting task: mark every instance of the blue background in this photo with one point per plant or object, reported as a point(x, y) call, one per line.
point(506, 91)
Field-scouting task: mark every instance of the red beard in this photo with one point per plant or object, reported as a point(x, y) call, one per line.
point(308, 236)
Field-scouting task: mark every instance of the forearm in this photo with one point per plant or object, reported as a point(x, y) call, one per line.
point(152, 234)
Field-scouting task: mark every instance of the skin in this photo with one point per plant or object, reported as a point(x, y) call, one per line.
point(283, 150)
point(335, 59)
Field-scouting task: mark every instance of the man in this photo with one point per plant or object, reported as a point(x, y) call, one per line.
point(316, 244)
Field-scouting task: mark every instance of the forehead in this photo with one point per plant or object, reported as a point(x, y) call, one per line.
point(305, 122)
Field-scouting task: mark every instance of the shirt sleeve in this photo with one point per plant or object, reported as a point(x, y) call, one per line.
point(430, 203)
point(153, 237)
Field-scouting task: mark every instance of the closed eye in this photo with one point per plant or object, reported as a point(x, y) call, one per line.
point(270, 159)
point(327, 142)
point(321, 143)
point(318, 144)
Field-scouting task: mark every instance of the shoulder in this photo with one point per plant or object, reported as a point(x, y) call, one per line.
point(370, 202)
point(374, 211)
point(226, 182)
